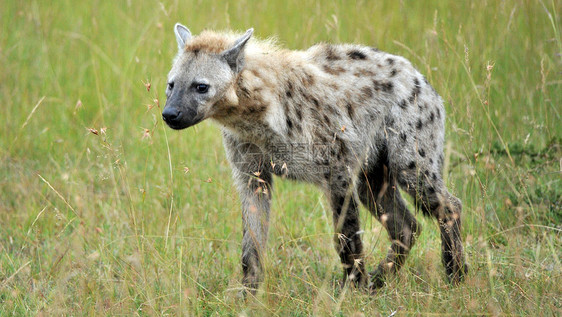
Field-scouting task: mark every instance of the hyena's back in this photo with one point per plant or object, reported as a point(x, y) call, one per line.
point(367, 99)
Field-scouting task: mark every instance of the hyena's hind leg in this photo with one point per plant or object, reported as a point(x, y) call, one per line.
point(426, 186)
point(347, 236)
point(378, 192)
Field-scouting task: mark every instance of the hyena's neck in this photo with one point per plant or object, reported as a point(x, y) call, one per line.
point(260, 94)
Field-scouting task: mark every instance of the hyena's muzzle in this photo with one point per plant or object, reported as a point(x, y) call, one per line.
point(178, 117)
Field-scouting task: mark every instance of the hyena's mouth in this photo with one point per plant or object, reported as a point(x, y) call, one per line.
point(183, 124)
point(176, 126)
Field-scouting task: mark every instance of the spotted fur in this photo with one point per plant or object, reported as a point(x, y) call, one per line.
point(351, 119)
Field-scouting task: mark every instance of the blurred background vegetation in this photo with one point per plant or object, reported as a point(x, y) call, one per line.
point(103, 210)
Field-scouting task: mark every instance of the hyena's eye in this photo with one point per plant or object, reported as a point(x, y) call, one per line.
point(201, 88)
point(171, 85)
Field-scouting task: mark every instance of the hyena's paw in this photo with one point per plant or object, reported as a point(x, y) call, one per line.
point(250, 287)
point(377, 279)
point(456, 270)
point(357, 279)
point(246, 292)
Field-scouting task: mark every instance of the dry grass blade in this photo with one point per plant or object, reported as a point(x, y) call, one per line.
point(59, 195)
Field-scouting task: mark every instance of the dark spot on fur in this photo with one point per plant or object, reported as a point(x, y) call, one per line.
point(356, 55)
point(416, 91)
point(367, 92)
point(327, 119)
point(387, 87)
point(431, 189)
point(430, 161)
point(344, 184)
point(322, 138)
point(403, 104)
point(422, 152)
point(315, 101)
point(393, 72)
point(364, 73)
point(332, 110)
point(374, 49)
point(289, 123)
point(419, 125)
point(299, 114)
point(333, 70)
point(331, 54)
point(334, 86)
point(438, 113)
point(390, 61)
point(255, 109)
point(343, 150)
point(403, 136)
point(288, 94)
point(434, 176)
point(412, 165)
point(350, 110)
point(432, 116)
point(229, 110)
point(245, 91)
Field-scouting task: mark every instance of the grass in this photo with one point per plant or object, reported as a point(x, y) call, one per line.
point(104, 211)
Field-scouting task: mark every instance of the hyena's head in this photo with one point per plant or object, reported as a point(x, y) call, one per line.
point(202, 75)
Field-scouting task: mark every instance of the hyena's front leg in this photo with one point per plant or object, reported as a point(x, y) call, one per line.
point(255, 194)
point(347, 231)
point(254, 183)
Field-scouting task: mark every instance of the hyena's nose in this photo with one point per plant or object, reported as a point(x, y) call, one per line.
point(171, 115)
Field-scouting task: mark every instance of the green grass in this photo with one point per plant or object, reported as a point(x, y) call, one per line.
point(113, 224)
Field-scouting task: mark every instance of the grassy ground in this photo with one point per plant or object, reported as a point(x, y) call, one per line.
point(103, 210)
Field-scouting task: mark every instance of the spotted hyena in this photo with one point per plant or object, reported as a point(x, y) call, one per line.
point(358, 122)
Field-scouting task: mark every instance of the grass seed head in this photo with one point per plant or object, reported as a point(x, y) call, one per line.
point(146, 134)
point(147, 85)
point(93, 131)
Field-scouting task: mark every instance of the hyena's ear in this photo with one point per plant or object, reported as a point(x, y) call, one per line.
point(234, 56)
point(183, 36)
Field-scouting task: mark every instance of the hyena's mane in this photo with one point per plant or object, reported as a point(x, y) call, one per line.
point(215, 42)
